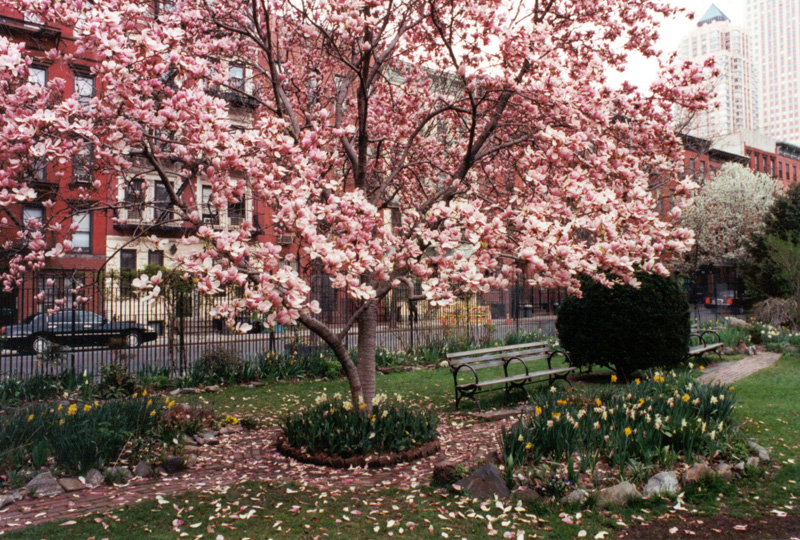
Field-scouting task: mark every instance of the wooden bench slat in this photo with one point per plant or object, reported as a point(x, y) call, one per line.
point(479, 352)
point(693, 351)
point(532, 355)
point(519, 377)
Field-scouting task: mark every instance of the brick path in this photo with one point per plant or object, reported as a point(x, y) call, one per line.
point(728, 372)
point(251, 456)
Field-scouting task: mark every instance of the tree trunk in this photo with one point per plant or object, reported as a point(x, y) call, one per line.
point(367, 347)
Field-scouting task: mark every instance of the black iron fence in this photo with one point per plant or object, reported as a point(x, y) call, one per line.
point(83, 321)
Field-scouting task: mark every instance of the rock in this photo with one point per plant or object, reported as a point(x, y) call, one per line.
point(728, 351)
point(175, 392)
point(230, 428)
point(161, 471)
point(742, 348)
point(207, 437)
point(188, 439)
point(118, 475)
point(735, 322)
point(739, 467)
point(486, 481)
point(753, 462)
point(94, 478)
point(191, 460)
point(578, 496)
point(444, 472)
point(143, 470)
point(725, 471)
point(663, 483)
point(174, 464)
point(757, 450)
point(44, 485)
point(443, 364)
point(192, 449)
point(71, 484)
point(12, 496)
point(213, 388)
point(694, 473)
point(618, 495)
point(526, 494)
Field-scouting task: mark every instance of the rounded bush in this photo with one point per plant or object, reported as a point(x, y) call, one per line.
point(626, 328)
point(333, 427)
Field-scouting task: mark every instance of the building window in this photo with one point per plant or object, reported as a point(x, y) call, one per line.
point(32, 220)
point(236, 212)
point(162, 206)
point(134, 199)
point(210, 213)
point(37, 171)
point(82, 237)
point(83, 164)
point(127, 270)
point(37, 75)
point(155, 257)
point(83, 88)
point(236, 74)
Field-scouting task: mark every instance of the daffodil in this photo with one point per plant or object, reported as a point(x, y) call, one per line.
point(72, 409)
point(628, 432)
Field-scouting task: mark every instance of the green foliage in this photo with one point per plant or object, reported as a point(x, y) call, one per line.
point(77, 437)
point(734, 335)
point(332, 426)
point(44, 387)
point(644, 422)
point(626, 328)
point(762, 274)
point(218, 365)
point(115, 382)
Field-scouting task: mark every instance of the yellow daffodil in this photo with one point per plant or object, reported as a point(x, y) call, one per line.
point(538, 411)
point(628, 432)
point(72, 409)
point(686, 397)
point(638, 381)
point(144, 394)
point(149, 402)
point(30, 418)
point(60, 406)
point(528, 446)
point(61, 422)
point(613, 378)
point(152, 413)
point(521, 438)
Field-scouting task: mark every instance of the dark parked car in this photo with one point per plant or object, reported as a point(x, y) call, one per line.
point(73, 328)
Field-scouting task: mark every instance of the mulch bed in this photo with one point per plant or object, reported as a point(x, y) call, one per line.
point(373, 461)
point(719, 527)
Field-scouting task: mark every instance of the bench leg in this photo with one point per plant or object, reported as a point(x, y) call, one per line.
point(471, 395)
point(512, 386)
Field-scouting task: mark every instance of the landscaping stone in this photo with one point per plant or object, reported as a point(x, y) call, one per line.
point(735, 322)
point(188, 439)
point(118, 474)
point(663, 483)
point(191, 460)
point(12, 496)
point(230, 428)
point(694, 473)
point(753, 462)
point(486, 481)
point(175, 392)
point(525, 494)
point(444, 472)
point(174, 464)
point(44, 485)
point(575, 496)
point(739, 467)
point(213, 388)
point(725, 471)
point(757, 450)
point(94, 478)
point(618, 495)
point(207, 437)
point(143, 470)
point(161, 471)
point(71, 484)
point(728, 351)
point(192, 449)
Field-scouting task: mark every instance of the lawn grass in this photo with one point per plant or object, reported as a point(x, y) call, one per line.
point(768, 406)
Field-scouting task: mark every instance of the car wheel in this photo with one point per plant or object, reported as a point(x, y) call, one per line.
point(133, 339)
point(39, 344)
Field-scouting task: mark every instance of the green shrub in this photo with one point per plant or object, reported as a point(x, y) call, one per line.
point(218, 365)
point(626, 328)
point(44, 387)
point(646, 422)
point(77, 437)
point(115, 382)
point(333, 427)
point(516, 338)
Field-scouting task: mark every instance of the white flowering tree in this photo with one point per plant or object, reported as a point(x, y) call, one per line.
point(725, 212)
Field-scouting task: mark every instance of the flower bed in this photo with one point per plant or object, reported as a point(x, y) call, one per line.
point(656, 420)
point(332, 433)
point(79, 436)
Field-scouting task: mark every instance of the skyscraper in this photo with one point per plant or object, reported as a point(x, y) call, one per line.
point(774, 26)
point(716, 36)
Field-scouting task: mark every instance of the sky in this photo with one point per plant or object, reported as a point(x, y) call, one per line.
point(641, 72)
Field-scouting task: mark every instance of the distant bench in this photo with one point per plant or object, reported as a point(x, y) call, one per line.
point(707, 341)
point(474, 361)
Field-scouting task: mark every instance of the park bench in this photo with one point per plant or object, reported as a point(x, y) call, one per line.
point(471, 362)
point(707, 341)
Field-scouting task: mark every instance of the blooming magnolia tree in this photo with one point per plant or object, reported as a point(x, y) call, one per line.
point(445, 142)
point(726, 211)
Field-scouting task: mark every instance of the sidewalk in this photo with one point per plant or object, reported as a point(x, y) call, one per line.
point(728, 372)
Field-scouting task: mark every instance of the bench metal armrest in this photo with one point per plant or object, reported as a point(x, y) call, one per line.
point(459, 368)
point(518, 359)
point(555, 351)
point(715, 337)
